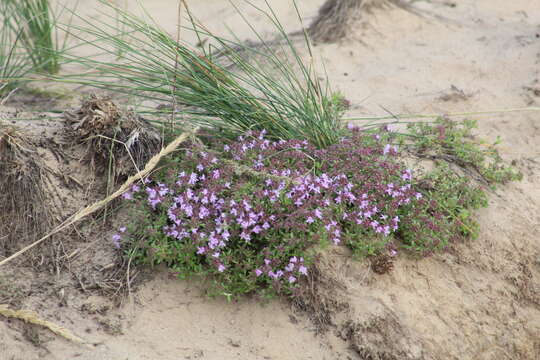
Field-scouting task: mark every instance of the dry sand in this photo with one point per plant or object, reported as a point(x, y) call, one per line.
point(480, 300)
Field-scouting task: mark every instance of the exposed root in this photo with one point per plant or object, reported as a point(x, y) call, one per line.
point(23, 211)
point(118, 142)
point(320, 297)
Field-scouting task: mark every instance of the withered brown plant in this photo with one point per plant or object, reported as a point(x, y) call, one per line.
point(336, 16)
point(120, 142)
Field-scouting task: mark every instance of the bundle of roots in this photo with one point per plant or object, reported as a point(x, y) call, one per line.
point(117, 142)
point(24, 215)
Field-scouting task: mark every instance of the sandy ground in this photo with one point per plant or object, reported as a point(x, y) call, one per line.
point(480, 300)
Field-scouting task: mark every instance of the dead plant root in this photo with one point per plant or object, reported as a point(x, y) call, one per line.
point(118, 142)
point(23, 211)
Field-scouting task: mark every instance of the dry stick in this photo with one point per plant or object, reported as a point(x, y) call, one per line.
point(98, 205)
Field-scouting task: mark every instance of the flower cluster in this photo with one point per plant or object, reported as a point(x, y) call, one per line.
point(248, 212)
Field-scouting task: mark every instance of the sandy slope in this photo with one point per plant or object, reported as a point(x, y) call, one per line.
point(481, 300)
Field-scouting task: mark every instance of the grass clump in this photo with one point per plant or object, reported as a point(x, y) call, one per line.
point(270, 88)
point(28, 41)
point(34, 25)
point(14, 64)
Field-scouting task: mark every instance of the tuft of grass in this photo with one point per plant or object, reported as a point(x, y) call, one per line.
point(34, 24)
point(14, 64)
point(272, 89)
point(29, 41)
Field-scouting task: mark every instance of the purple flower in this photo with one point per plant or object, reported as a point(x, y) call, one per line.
point(127, 195)
point(407, 175)
point(193, 179)
point(258, 272)
point(292, 279)
point(386, 149)
point(289, 267)
point(221, 268)
point(302, 270)
point(203, 212)
point(122, 229)
point(310, 220)
point(116, 240)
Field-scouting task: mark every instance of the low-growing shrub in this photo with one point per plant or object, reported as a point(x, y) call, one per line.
point(249, 213)
point(253, 213)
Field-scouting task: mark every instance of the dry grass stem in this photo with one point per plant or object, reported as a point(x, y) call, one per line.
point(32, 318)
